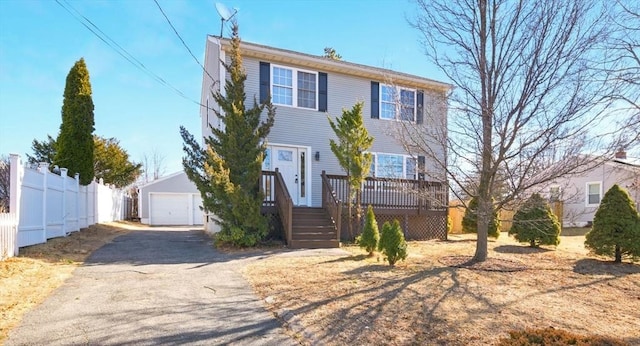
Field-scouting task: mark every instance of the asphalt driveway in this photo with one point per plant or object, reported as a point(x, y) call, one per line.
point(157, 286)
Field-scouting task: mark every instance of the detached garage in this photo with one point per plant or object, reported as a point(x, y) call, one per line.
point(170, 200)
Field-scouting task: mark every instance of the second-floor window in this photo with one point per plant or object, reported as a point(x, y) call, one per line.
point(294, 87)
point(397, 103)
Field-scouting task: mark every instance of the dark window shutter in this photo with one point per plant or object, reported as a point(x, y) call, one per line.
point(265, 80)
point(420, 110)
point(322, 92)
point(375, 100)
point(421, 167)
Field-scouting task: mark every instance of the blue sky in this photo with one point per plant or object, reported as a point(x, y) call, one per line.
point(40, 41)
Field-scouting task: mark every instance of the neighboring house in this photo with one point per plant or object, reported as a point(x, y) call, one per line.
point(305, 89)
point(170, 200)
point(581, 193)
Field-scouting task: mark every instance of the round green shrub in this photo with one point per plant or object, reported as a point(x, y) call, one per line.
point(370, 236)
point(535, 223)
point(470, 220)
point(616, 227)
point(392, 243)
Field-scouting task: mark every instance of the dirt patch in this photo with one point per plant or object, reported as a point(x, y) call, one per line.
point(27, 280)
point(437, 297)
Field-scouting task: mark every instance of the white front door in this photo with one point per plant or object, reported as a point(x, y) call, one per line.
point(291, 162)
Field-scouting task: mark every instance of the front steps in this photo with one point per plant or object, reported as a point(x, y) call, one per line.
point(312, 228)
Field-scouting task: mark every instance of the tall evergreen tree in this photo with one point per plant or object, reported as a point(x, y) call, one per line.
point(74, 146)
point(227, 170)
point(111, 163)
point(43, 151)
point(616, 226)
point(350, 150)
point(110, 160)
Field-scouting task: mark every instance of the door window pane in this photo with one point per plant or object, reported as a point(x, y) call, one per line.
point(302, 174)
point(285, 155)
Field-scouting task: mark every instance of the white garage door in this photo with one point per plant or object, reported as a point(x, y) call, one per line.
point(198, 215)
point(169, 209)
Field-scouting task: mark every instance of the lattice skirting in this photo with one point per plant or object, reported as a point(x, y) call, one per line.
point(431, 225)
point(275, 225)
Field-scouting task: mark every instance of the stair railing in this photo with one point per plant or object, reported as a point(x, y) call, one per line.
point(284, 205)
point(331, 203)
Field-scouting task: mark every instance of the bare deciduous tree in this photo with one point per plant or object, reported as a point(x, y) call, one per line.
point(153, 166)
point(624, 64)
point(526, 94)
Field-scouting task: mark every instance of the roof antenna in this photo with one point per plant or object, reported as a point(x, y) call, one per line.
point(225, 14)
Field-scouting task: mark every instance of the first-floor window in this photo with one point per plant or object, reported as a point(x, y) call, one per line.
point(393, 166)
point(593, 193)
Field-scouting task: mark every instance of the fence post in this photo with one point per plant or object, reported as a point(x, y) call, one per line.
point(15, 192)
point(63, 174)
point(43, 168)
point(78, 199)
point(97, 203)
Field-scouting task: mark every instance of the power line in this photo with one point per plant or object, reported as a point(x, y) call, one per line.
point(181, 40)
point(121, 51)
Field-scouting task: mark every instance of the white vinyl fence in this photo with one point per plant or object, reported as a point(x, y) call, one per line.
point(46, 205)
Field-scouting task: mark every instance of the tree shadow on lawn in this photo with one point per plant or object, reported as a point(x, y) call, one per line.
point(357, 315)
point(590, 266)
point(516, 249)
point(378, 301)
point(352, 258)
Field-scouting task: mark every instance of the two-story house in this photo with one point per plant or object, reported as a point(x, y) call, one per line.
point(306, 89)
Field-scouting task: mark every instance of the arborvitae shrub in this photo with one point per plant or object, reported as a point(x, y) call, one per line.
point(535, 223)
point(392, 243)
point(555, 337)
point(616, 227)
point(370, 236)
point(470, 220)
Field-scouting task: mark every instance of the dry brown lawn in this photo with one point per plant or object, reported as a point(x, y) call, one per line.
point(27, 280)
point(435, 299)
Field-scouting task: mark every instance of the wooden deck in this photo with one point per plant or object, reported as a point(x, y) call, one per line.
point(420, 206)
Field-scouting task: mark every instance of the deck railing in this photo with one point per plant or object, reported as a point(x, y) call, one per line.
point(283, 204)
point(394, 193)
point(331, 203)
point(266, 187)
